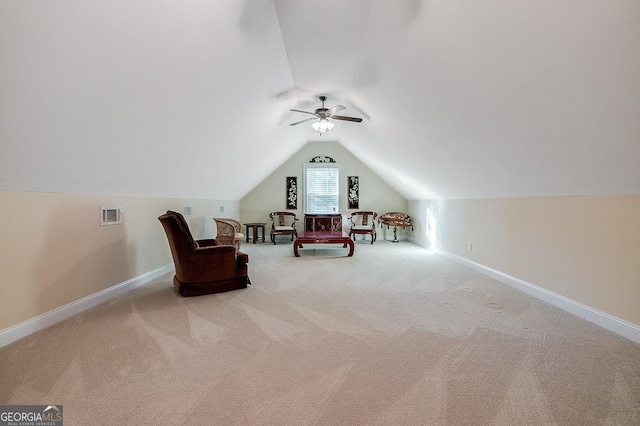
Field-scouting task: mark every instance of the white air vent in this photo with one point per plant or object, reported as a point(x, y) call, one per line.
point(110, 215)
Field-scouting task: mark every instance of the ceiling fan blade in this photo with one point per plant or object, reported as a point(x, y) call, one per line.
point(342, 117)
point(305, 112)
point(302, 121)
point(335, 109)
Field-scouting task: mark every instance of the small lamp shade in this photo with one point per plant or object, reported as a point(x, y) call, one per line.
point(322, 125)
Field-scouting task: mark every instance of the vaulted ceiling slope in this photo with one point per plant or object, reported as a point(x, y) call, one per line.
point(460, 99)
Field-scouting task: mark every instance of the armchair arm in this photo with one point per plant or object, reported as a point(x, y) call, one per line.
point(241, 264)
point(215, 250)
point(241, 258)
point(209, 242)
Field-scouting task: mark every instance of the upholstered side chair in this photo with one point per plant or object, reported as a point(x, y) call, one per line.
point(363, 223)
point(283, 223)
point(202, 266)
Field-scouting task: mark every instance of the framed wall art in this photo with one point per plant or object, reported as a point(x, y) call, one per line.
point(292, 192)
point(354, 192)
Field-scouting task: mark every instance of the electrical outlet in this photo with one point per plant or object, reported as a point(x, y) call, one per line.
point(221, 209)
point(470, 246)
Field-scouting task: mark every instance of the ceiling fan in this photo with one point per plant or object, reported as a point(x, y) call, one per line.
point(322, 115)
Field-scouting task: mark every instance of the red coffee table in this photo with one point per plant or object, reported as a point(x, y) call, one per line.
point(323, 238)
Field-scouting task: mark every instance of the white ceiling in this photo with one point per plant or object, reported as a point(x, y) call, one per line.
point(460, 99)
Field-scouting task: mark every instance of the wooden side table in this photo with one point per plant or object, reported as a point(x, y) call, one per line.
point(395, 219)
point(255, 226)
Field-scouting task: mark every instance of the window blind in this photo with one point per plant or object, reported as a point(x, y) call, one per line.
point(322, 190)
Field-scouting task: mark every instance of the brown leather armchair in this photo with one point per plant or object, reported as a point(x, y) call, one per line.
point(203, 266)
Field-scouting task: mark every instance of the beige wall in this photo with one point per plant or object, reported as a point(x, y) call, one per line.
point(53, 251)
point(584, 248)
point(269, 195)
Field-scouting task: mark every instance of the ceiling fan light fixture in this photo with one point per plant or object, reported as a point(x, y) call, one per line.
point(323, 115)
point(322, 125)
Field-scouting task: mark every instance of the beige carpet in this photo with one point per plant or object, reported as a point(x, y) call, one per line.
point(393, 336)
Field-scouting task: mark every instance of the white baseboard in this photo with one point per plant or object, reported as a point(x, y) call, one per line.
point(23, 329)
point(602, 319)
point(420, 243)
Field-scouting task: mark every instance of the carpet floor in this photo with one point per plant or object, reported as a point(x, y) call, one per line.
point(395, 335)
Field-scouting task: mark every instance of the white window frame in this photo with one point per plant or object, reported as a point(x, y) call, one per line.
point(308, 166)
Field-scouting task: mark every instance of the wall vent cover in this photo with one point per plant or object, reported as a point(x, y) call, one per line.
point(110, 215)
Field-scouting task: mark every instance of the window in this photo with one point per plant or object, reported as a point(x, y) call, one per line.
point(322, 189)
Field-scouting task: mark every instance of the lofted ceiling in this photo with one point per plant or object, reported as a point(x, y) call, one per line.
point(459, 99)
